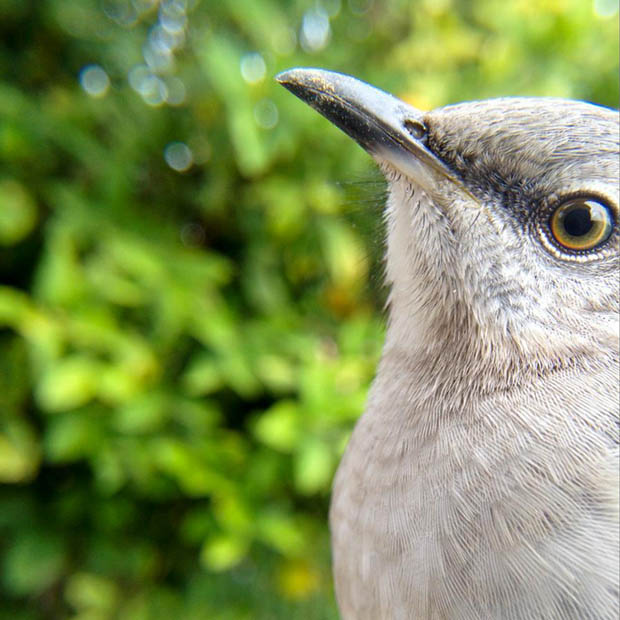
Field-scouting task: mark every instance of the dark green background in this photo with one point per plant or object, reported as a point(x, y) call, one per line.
point(183, 353)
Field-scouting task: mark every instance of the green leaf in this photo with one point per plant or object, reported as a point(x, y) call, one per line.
point(72, 436)
point(314, 466)
point(89, 593)
point(32, 563)
point(18, 212)
point(19, 452)
point(71, 383)
point(281, 531)
point(223, 552)
point(202, 376)
point(279, 426)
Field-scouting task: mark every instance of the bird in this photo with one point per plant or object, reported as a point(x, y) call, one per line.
point(481, 481)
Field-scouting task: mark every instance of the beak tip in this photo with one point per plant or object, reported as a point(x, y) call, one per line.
point(296, 77)
point(282, 77)
point(291, 76)
point(292, 80)
point(303, 82)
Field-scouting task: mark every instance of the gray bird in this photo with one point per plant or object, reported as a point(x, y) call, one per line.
point(482, 480)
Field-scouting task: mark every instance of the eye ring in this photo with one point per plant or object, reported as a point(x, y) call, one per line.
point(581, 224)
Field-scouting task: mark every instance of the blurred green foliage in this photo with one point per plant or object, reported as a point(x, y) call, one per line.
point(189, 308)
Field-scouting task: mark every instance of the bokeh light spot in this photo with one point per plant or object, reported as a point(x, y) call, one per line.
point(266, 114)
point(172, 15)
point(144, 6)
point(605, 8)
point(155, 91)
point(123, 13)
point(253, 68)
point(176, 91)
point(164, 41)
point(178, 156)
point(94, 81)
point(157, 60)
point(192, 234)
point(139, 77)
point(315, 30)
point(332, 7)
point(359, 7)
point(201, 149)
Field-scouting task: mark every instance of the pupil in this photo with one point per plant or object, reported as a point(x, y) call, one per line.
point(578, 222)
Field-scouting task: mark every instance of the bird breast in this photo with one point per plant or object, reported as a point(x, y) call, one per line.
point(504, 508)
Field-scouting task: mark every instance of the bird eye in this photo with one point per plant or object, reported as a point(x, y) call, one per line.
point(581, 224)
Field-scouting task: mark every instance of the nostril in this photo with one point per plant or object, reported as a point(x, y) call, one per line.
point(416, 128)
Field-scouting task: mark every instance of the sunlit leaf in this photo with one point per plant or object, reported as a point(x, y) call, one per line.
point(69, 384)
point(279, 426)
point(223, 552)
point(313, 467)
point(18, 212)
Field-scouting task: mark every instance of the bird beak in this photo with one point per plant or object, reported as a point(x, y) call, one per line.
point(388, 128)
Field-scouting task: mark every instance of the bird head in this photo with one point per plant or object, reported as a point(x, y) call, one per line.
point(502, 218)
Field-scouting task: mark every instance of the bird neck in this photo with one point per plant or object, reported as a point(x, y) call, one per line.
point(451, 359)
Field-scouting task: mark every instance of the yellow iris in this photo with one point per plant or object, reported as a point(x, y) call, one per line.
point(581, 224)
